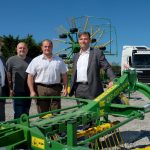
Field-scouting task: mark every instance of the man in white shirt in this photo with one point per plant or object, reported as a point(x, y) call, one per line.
point(44, 78)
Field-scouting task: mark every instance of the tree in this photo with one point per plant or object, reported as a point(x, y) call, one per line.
point(10, 43)
point(8, 48)
point(33, 47)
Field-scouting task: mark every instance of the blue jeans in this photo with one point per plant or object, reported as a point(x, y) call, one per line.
point(21, 106)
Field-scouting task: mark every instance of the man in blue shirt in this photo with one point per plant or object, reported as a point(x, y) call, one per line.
point(4, 90)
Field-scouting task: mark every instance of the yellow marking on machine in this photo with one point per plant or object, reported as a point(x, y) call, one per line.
point(47, 116)
point(102, 103)
point(105, 93)
point(110, 93)
point(102, 112)
point(94, 130)
point(68, 89)
point(146, 148)
point(38, 142)
point(124, 99)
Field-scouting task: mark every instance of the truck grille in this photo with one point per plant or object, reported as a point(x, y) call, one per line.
point(144, 76)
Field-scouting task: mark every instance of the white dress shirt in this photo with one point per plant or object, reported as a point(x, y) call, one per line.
point(47, 71)
point(2, 74)
point(82, 65)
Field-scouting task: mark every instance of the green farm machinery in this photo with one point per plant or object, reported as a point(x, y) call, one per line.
point(86, 125)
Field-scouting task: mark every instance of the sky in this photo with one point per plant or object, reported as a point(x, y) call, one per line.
point(41, 18)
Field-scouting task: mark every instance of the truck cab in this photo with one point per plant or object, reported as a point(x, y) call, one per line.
point(137, 57)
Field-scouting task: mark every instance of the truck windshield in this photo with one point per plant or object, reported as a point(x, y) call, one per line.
point(142, 60)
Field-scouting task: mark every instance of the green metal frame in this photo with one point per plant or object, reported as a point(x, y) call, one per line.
point(60, 131)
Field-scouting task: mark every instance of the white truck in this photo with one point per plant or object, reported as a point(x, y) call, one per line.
point(137, 57)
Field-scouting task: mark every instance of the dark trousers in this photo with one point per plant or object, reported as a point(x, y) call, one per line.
point(44, 105)
point(82, 91)
point(21, 106)
point(2, 104)
point(2, 110)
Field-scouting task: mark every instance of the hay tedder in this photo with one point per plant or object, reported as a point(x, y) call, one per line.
point(86, 125)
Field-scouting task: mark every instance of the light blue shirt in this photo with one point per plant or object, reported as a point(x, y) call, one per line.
point(2, 74)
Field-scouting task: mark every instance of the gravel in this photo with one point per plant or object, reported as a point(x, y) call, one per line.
point(135, 134)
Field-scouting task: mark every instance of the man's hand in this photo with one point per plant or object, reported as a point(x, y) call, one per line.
point(11, 93)
point(110, 84)
point(33, 94)
point(65, 92)
point(126, 66)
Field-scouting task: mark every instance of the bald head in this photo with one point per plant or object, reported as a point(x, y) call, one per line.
point(22, 49)
point(47, 47)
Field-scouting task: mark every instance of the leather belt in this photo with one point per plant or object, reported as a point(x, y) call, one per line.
point(48, 85)
point(85, 83)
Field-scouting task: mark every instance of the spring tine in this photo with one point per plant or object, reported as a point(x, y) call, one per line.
point(97, 144)
point(109, 142)
point(122, 142)
point(106, 142)
point(91, 144)
point(101, 144)
point(116, 138)
point(112, 134)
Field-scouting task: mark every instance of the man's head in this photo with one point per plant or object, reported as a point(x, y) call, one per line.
point(22, 49)
point(47, 47)
point(84, 40)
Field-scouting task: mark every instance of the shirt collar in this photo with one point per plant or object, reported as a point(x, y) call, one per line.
point(44, 57)
point(84, 52)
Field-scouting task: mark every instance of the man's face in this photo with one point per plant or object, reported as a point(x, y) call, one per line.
point(84, 41)
point(47, 48)
point(22, 50)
